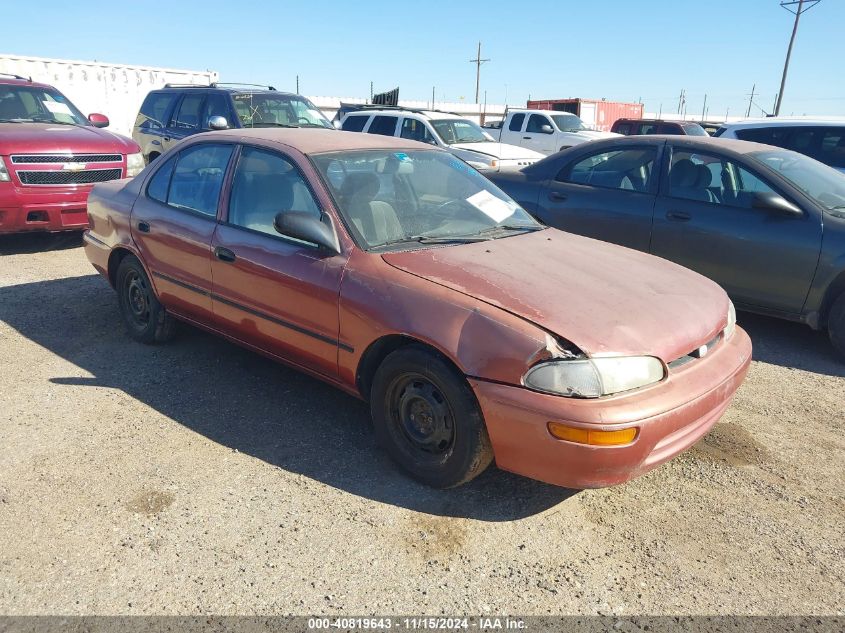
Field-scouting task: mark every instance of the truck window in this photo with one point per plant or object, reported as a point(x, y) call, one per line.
point(155, 107)
point(536, 122)
point(215, 105)
point(188, 116)
point(384, 125)
point(516, 122)
point(354, 123)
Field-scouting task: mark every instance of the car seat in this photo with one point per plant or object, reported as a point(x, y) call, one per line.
point(375, 220)
point(684, 179)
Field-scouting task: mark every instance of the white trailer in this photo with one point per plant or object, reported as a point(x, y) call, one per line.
point(115, 90)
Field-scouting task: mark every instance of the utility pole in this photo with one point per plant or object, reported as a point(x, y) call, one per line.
point(371, 92)
point(750, 101)
point(478, 61)
point(681, 101)
point(803, 5)
point(704, 108)
point(297, 84)
point(432, 97)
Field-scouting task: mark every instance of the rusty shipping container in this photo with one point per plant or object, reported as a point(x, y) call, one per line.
point(596, 113)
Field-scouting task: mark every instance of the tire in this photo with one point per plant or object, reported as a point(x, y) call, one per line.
point(836, 325)
point(427, 418)
point(145, 318)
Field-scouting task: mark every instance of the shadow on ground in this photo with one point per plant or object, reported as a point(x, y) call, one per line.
point(246, 402)
point(789, 344)
point(38, 242)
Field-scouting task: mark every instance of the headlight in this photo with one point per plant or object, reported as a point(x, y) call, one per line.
point(134, 164)
point(4, 175)
point(730, 328)
point(594, 377)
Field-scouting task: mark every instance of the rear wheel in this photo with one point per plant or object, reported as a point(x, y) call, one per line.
point(145, 318)
point(836, 324)
point(427, 418)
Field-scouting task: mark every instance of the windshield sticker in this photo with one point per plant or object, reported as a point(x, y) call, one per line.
point(491, 206)
point(57, 108)
point(401, 156)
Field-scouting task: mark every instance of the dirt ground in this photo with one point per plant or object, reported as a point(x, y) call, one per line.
point(200, 478)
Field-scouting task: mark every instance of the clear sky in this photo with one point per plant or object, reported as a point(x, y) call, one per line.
point(616, 49)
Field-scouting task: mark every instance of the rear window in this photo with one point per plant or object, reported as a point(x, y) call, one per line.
point(694, 129)
point(516, 122)
point(354, 123)
point(384, 125)
point(155, 107)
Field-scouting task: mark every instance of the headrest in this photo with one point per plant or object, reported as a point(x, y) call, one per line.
point(362, 184)
point(684, 173)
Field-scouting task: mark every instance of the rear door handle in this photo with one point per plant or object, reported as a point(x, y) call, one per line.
point(143, 227)
point(557, 195)
point(526, 138)
point(224, 254)
point(681, 216)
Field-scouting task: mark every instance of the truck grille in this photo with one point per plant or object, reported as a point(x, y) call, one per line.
point(68, 177)
point(37, 159)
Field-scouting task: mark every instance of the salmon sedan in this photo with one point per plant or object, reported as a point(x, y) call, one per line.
point(399, 274)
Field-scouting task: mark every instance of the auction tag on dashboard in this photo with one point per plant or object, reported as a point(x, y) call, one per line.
point(57, 108)
point(491, 206)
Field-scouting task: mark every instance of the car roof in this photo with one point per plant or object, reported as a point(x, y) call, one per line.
point(229, 89)
point(786, 122)
point(429, 114)
point(316, 141)
point(629, 120)
point(11, 81)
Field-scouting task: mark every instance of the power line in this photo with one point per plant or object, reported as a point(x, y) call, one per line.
point(803, 5)
point(478, 61)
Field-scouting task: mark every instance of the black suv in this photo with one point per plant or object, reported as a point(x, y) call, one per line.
point(177, 111)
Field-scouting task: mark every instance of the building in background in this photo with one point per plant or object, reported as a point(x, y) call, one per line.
point(115, 90)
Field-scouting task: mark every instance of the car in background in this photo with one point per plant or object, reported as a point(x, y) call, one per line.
point(711, 127)
point(822, 139)
point(634, 127)
point(177, 111)
point(457, 135)
point(50, 157)
point(398, 274)
point(546, 131)
point(765, 223)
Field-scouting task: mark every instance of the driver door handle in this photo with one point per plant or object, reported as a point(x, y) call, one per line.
point(224, 254)
point(557, 195)
point(526, 138)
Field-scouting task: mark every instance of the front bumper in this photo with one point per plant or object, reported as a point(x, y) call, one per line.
point(43, 208)
point(671, 416)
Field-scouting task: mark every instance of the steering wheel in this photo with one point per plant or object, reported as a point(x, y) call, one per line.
point(302, 119)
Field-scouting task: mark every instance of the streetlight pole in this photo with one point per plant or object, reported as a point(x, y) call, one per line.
point(803, 5)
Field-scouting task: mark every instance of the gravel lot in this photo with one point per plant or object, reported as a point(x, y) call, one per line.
point(200, 478)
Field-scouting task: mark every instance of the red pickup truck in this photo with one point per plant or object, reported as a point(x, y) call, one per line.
point(51, 156)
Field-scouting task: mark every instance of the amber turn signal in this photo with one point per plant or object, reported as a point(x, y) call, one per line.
point(592, 436)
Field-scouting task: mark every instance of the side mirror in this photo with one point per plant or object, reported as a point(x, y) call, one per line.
point(307, 228)
point(547, 129)
point(218, 122)
point(98, 120)
point(769, 201)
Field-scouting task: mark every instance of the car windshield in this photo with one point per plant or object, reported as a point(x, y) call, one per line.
point(568, 123)
point(28, 104)
point(823, 184)
point(694, 129)
point(391, 198)
point(260, 109)
point(453, 131)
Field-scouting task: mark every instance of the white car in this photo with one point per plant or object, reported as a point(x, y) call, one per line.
point(462, 137)
point(822, 139)
point(547, 131)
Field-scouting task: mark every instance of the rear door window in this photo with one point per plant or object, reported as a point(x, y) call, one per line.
point(198, 178)
point(155, 108)
point(629, 169)
point(384, 125)
point(354, 123)
point(623, 128)
point(188, 114)
point(516, 122)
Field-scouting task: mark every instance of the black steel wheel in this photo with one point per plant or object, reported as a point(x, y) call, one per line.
point(145, 318)
point(426, 416)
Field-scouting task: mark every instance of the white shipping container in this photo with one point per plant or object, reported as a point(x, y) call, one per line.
point(115, 90)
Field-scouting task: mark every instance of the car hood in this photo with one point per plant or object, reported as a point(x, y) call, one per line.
point(591, 135)
point(604, 298)
point(20, 138)
point(499, 150)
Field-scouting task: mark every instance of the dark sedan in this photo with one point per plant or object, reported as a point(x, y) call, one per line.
point(767, 224)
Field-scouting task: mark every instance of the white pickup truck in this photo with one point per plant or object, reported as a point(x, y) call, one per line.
point(545, 131)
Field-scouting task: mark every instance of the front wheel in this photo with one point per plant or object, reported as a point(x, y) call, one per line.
point(145, 318)
point(836, 325)
point(427, 418)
